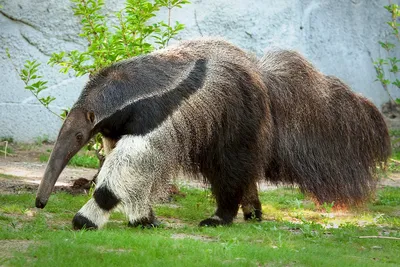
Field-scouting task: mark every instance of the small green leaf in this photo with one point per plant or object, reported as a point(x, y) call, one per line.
point(8, 53)
point(396, 83)
point(387, 46)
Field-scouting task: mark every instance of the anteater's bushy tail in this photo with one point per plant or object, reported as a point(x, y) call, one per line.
point(329, 140)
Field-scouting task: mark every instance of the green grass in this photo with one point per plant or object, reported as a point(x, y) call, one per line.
point(44, 157)
point(6, 139)
point(79, 160)
point(3, 149)
point(7, 176)
point(84, 161)
point(394, 166)
point(294, 233)
point(396, 154)
point(39, 140)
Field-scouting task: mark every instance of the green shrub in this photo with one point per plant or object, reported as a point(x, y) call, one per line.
point(387, 68)
point(133, 34)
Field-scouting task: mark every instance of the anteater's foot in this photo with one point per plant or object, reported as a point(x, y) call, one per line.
point(253, 215)
point(145, 222)
point(214, 221)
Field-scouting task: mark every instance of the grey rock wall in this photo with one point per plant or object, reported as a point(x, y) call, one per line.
point(338, 36)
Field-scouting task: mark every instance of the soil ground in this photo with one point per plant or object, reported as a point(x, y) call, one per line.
point(22, 171)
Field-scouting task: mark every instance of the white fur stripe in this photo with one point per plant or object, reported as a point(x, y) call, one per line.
point(94, 213)
point(216, 217)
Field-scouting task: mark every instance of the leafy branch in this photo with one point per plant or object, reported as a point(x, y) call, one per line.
point(133, 35)
point(170, 31)
point(33, 82)
point(386, 67)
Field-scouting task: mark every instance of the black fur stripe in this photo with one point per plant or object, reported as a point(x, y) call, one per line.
point(80, 222)
point(105, 198)
point(145, 115)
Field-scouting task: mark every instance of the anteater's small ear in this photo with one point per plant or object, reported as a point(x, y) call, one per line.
point(90, 116)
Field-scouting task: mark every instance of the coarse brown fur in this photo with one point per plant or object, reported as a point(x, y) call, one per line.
point(328, 139)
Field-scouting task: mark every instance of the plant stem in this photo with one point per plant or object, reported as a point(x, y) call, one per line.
point(46, 106)
point(123, 32)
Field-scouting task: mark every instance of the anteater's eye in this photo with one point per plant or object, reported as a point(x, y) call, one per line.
point(79, 136)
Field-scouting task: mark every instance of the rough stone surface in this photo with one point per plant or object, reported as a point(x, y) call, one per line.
point(339, 36)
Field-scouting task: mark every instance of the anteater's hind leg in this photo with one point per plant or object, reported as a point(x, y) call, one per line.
point(232, 174)
point(251, 205)
point(228, 188)
point(228, 197)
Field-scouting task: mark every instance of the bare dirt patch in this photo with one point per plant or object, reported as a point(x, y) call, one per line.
point(172, 223)
point(22, 171)
point(17, 177)
point(194, 237)
point(116, 250)
point(392, 180)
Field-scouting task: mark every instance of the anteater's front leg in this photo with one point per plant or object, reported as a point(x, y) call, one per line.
point(126, 181)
